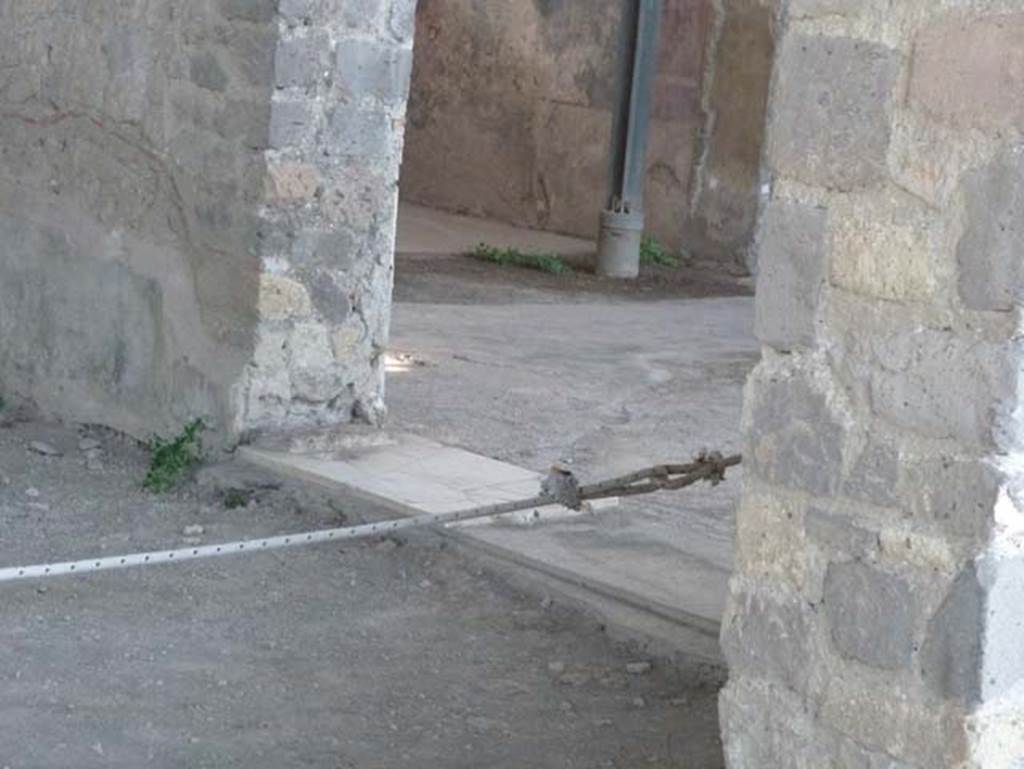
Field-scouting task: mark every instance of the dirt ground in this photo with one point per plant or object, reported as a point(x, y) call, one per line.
point(453, 279)
point(381, 654)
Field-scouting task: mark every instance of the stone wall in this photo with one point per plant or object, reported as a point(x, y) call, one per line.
point(725, 193)
point(196, 208)
point(327, 234)
point(875, 618)
point(511, 111)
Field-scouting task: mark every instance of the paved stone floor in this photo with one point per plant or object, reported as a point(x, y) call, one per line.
point(533, 368)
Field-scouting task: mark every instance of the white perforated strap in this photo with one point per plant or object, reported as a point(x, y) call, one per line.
point(362, 531)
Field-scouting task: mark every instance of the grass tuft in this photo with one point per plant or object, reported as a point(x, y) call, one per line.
point(236, 498)
point(653, 253)
point(172, 460)
point(545, 262)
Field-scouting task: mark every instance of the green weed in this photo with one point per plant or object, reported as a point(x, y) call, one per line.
point(545, 262)
point(236, 498)
point(653, 253)
point(172, 460)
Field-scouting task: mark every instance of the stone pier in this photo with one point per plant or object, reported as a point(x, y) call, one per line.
point(877, 613)
point(197, 204)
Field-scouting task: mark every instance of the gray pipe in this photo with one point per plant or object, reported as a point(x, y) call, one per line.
point(622, 223)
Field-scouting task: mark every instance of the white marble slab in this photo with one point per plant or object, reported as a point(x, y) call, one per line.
point(415, 475)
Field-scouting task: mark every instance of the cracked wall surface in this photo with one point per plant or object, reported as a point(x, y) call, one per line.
point(875, 615)
point(197, 207)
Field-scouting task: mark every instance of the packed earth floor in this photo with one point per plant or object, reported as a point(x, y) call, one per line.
point(606, 376)
point(371, 655)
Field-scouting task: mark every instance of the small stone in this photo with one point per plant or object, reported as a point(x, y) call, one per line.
point(638, 668)
point(193, 530)
point(556, 667)
point(89, 444)
point(547, 603)
point(94, 463)
point(45, 449)
point(32, 492)
point(425, 584)
point(639, 702)
point(574, 678)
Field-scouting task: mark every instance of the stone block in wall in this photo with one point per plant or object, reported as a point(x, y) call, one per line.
point(770, 635)
point(316, 377)
point(361, 15)
point(887, 245)
point(795, 438)
point(768, 726)
point(874, 474)
point(955, 496)
point(358, 132)
point(402, 19)
point(331, 301)
point(297, 12)
point(951, 655)
point(1001, 574)
point(990, 255)
point(375, 70)
point(249, 10)
point(939, 384)
point(292, 123)
point(791, 270)
point(888, 716)
point(293, 183)
point(832, 111)
point(970, 71)
point(839, 534)
point(870, 615)
point(768, 526)
point(335, 249)
point(283, 299)
point(773, 729)
point(302, 61)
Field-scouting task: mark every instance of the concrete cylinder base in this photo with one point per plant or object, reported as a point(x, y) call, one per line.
point(618, 245)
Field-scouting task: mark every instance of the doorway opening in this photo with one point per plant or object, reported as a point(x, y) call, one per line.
point(507, 146)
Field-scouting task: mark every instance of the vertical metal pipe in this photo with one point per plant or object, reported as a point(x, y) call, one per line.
point(623, 90)
point(622, 224)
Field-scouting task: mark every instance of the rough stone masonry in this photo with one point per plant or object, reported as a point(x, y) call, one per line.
point(197, 204)
point(877, 614)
